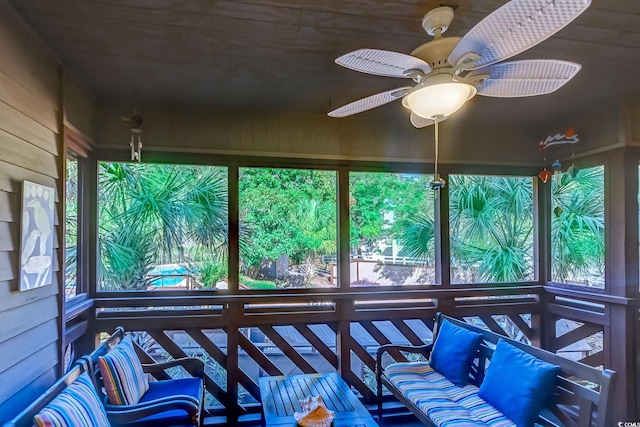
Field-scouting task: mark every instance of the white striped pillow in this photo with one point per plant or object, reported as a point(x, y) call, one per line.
point(76, 406)
point(122, 374)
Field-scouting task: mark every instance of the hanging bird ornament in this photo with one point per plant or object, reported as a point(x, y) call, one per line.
point(135, 127)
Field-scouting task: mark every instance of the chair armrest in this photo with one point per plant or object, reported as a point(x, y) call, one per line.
point(125, 414)
point(167, 400)
point(191, 364)
point(422, 349)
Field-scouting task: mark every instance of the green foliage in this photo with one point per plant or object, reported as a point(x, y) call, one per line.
point(257, 284)
point(371, 198)
point(213, 272)
point(126, 254)
point(417, 237)
point(71, 221)
point(148, 213)
point(577, 227)
point(152, 214)
point(71, 203)
point(491, 221)
point(286, 212)
point(392, 205)
point(317, 229)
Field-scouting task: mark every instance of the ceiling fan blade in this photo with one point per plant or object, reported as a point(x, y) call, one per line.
point(514, 28)
point(382, 62)
point(370, 102)
point(527, 77)
point(421, 122)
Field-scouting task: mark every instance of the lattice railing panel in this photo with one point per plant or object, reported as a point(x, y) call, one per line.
point(516, 326)
point(248, 336)
point(579, 341)
point(284, 350)
point(367, 336)
point(158, 345)
point(578, 328)
point(323, 340)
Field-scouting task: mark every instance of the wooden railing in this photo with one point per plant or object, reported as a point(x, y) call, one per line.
point(244, 336)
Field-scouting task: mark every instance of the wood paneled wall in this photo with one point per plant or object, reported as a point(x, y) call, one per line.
point(79, 108)
point(361, 137)
point(29, 150)
point(312, 136)
point(631, 121)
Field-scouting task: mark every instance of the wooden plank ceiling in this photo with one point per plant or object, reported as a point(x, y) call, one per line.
point(278, 54)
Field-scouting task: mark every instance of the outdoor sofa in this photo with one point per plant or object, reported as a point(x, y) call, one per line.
point(475, 377)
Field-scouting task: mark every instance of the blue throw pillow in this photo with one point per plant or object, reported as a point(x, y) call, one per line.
point(517, 383)
point(454, 350)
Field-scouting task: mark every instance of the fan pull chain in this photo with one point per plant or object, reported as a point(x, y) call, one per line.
point(437, 182)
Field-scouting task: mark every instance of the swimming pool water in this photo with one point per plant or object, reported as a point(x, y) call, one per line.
point(168, 270)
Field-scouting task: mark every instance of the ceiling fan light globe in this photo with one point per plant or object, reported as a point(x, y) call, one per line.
point(439, 100)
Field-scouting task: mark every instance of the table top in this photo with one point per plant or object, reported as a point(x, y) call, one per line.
point(281, 396)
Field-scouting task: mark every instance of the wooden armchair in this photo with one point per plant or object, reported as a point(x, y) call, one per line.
point(167, 402)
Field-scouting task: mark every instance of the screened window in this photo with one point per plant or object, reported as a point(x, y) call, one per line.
point(577, 228)
point(71, 228)
point(491, 226)
point(287, 228)
point(162, 227)
point(392, 229)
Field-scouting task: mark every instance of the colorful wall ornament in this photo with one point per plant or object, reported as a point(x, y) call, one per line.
point(568, 137)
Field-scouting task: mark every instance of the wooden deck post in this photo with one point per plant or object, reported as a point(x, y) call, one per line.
point(621, 241)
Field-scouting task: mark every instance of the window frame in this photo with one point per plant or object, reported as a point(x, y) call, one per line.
point(343, 168)
point(535, 265)
point(77, 147)
point(75, 311)
point(585, 164)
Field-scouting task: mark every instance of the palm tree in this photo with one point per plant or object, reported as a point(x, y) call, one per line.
point(577, 227)
point(491, 222)
point(149, 214)
point(416, 235)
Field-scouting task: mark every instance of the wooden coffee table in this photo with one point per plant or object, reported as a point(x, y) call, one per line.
point(281, 395)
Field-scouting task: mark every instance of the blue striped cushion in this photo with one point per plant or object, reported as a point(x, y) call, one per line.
point(445, 403)
point(124, 380)
point(76, 406)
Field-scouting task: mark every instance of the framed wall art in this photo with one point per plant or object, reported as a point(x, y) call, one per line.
point(36, 236)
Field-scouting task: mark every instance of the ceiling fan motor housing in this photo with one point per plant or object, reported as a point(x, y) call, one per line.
point(436, 52)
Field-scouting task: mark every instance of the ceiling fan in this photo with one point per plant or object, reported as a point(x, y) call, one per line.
point(449, 71)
